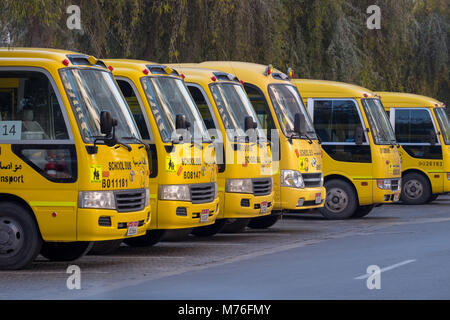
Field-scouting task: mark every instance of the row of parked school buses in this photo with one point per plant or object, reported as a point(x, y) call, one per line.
point(94, 152)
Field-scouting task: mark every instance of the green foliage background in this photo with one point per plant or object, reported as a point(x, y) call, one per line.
point(322, 39)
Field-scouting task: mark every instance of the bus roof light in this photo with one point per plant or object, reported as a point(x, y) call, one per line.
point(145, 71)
point(269, 70)
point(110, 68)
point(213, 78)
point(66, 62)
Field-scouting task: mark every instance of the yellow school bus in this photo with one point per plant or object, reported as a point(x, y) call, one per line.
point(245, 187)
point(361, 162)
point(72, 169)
point(298, 180)
point(422, 129)
point(183, 169)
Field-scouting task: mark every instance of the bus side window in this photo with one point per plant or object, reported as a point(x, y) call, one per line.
point(202, 106)
point(413, 125)
point(261, 108)
point(135, 108)
point(30, 111)
point(336, 120)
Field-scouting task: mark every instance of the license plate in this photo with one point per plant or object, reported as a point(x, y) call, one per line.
point(318, 198)
point(204, 216)
point(132, 228)
point(263, 207)
point(396, 196)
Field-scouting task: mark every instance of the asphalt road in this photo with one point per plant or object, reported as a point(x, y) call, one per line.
point(301, 257)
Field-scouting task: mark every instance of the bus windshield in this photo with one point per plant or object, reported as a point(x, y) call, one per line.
point(233, 107)
point(91, 91)
point(444, 123)
point(168, 97)
point(381, 129)
point(287, 102)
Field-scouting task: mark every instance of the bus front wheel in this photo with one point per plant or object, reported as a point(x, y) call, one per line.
point(150, 238)
point(105, 247)
point(264, 222)
point(208, 231)
point(341, 201)
point(20, 239)
point(65, 251)
point(415, 189)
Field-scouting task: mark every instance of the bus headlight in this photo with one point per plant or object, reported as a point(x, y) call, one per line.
point(97, 200)
point(177, 192)
point(239, 186)
point(384, 184)
point(292, 179)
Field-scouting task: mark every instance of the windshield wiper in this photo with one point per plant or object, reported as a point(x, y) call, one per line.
point(123, 144)
point(138, 140)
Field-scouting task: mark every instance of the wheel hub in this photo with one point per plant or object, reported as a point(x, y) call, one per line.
point(337, 200)
point(11, 237)
point(413, 189)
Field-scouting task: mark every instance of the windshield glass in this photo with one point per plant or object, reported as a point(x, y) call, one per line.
point(287, 102)
point(444, 123)
point(91, 91)
point(168, 97)
point(379, 123)
point(233, 107)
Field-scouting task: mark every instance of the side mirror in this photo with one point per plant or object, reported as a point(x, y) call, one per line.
point(359, 136)
point(433, 137)
point(106, 123)
point(299, 123)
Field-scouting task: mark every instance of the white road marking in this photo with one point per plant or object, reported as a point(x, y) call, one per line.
point(364, 276)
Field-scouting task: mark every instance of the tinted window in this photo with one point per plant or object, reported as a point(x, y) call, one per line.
point(413, 125)
point(336, 120)
point(135, 108)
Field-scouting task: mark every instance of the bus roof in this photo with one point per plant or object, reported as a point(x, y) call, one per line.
point(202, 75)
point(407, 100)
point(331, 89)
point(127, 66)
point(248, 72)
point(46, 57)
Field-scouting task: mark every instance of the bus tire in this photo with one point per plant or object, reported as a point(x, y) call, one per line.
point(176, 235)
point(105, 247)
point(208, 231)
point(65, 251)
point(415, 189)
point(362, 211)
point(433, 197)
point(150, 238)
point(235, 225)
point(20, 239)
point(264, 222)
point(341, 200)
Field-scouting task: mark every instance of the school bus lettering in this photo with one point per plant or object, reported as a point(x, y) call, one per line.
point(119, 165)
point(11, 179)
point(114, 183)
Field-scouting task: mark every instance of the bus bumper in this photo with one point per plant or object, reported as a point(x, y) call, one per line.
point(183, 215)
